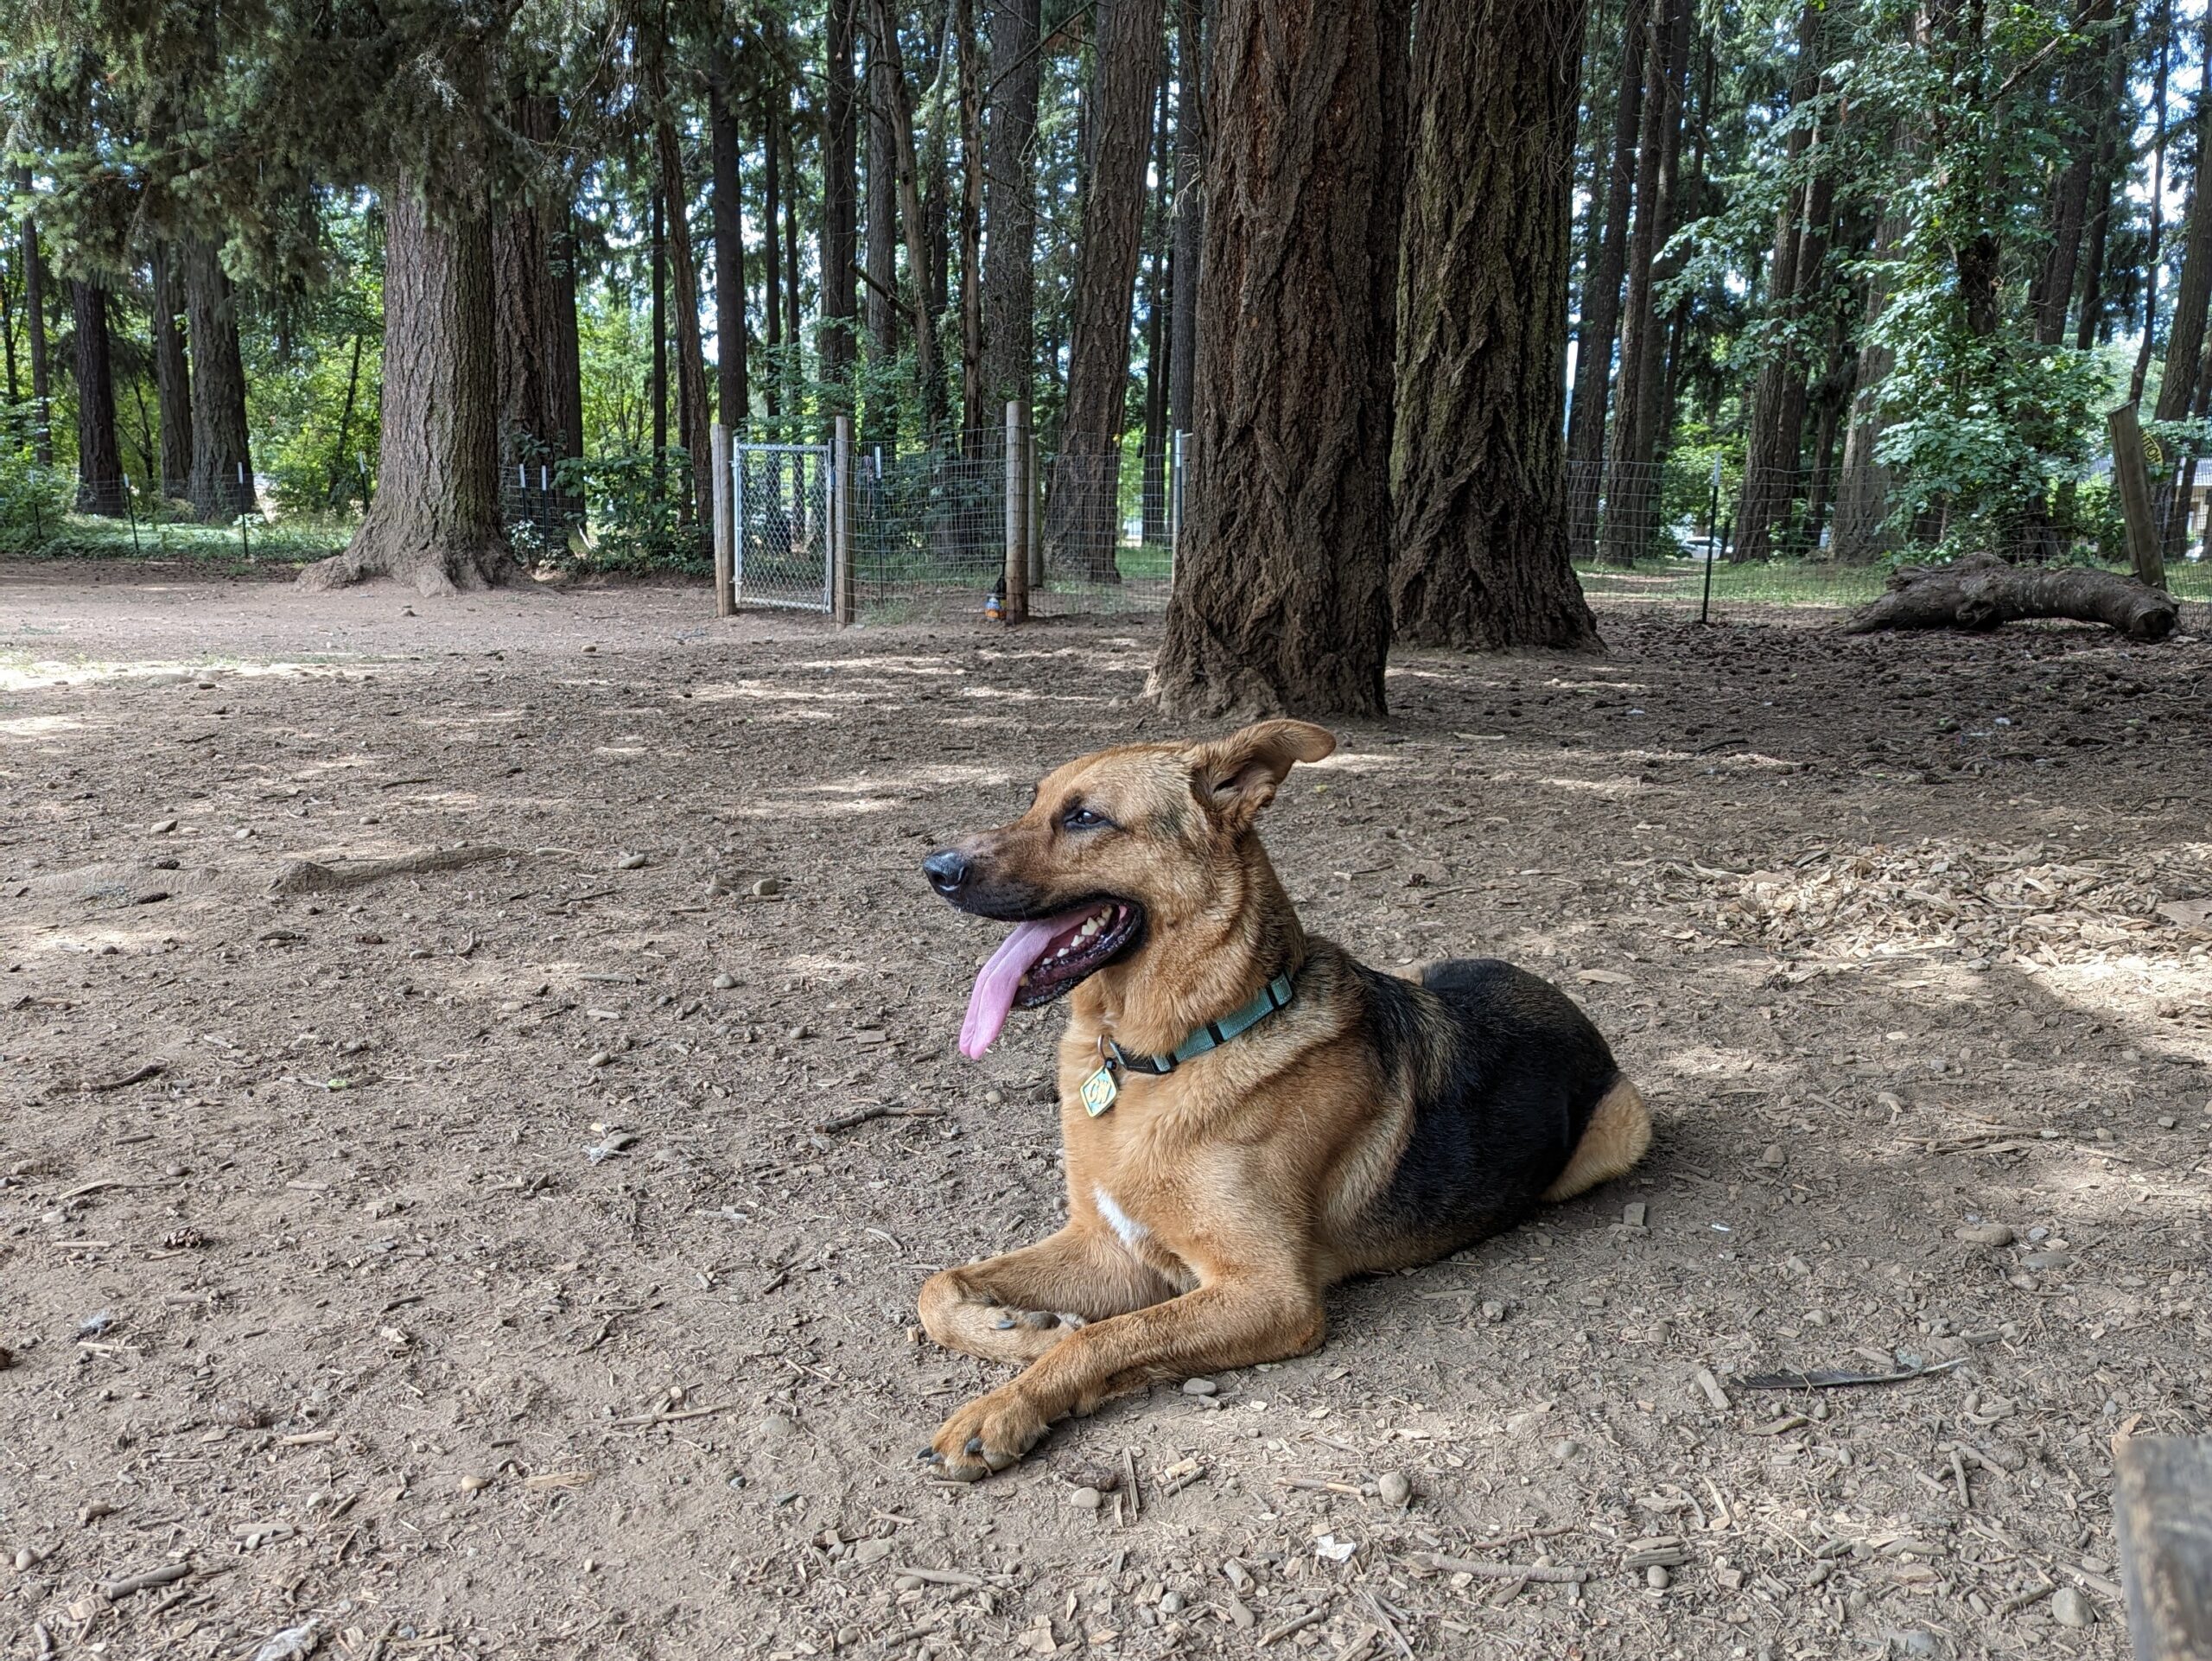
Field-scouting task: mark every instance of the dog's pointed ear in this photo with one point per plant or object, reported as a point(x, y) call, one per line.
point(1234, 778)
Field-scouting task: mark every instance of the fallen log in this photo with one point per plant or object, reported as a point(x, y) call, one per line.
point(1981, 592)
point(2165, 1544)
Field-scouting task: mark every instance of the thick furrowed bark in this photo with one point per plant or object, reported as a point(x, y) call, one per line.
point(1983, 592)
point(222, 465)
point(1478, 468)
point(435, 520)
point(1281, 598)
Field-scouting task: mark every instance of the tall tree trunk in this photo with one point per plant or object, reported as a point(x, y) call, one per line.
point(1083, 514)
point(2052, 291)
point(1601, 298)
point(435, 519)
point(972, 414)
point(914, 221)
point(1631, 489)
point(1862, 497)
point(564, 383)
point(1010, 204)
point(1477, 478)
point(1152, 492)
point(2151, 260)
point(1190, 213)
point(1283, 593)
point(1774, 434)
point(2116, 110)
point(34, 317)
point(771, 276)
point(222, 467)
point(794, 365)
point(732, 397)
point(172, 374)
point(658, 318)
point(882, 301)
point(101, 487)
point(2185, 340)
point(520, 308)
point(8, 340)
point(692, 358)
point(839, 296)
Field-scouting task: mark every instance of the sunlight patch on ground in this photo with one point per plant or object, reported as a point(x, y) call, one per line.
point(42, 674)
point(25, 729)
point(882, 665)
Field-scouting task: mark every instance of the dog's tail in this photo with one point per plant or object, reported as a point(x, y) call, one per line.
point(1617, 1136)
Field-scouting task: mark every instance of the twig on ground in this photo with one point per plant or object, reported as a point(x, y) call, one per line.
point(101, 1086)
point(1482, 1568)
point(875, 1110)
point(1840, 1378)
point(116, 1590)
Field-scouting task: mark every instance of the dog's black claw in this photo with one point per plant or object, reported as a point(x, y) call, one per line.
point(928, 1453)
point(975, 1445)
point(1003, 1323)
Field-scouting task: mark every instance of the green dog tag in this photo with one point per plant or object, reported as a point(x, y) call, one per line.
point(1099, 1091)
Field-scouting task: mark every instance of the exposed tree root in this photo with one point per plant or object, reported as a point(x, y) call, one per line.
point(1982, 592)
point(305, 876)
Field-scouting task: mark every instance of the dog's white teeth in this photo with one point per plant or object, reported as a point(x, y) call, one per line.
point(1090, 928)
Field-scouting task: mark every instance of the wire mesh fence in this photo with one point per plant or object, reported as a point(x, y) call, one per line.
point(781, 506)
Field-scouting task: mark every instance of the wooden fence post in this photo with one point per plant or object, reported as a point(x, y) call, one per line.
point(1017, 512)
point(2133, 477)
point(725, 524)
point(841, 522)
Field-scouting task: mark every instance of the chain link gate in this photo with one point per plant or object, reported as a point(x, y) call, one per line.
point(780, 501)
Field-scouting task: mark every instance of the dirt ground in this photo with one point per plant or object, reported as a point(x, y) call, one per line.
point(493, 1260)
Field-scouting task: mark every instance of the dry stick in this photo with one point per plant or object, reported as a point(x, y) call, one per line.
point(305, 876)
point(670, 1418)
point(1484, 1569)
point(96, 1087)
point(1297, 1624)
point(876, 1110)
point(1389, 1628)
point(116, 1591)
point(941, 1576)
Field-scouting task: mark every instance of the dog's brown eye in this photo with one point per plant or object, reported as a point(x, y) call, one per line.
point(1080, 817)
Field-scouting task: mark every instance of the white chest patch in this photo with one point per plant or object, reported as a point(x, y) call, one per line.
point(1127, 1227)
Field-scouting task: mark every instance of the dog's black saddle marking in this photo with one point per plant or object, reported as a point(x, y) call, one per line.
point(1505, 1072)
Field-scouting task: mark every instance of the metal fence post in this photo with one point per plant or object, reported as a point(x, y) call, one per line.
point(1175, 505)
point(1017, 511)
point(725, 524)
point(841, 522)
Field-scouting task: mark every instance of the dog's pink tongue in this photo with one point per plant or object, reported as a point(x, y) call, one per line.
point(992, 1001)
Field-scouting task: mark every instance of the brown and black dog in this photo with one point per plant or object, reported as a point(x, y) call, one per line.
point(1367, 1123)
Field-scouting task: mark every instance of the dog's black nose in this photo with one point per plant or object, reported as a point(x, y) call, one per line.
point(947, 872)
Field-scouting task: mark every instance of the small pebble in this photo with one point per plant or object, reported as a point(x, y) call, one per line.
point(2070, 1608)
point(1170, 1603)
point(1395, 1488)
point(1564, 1449)
point(598, 1059)
point(475, 1484)
point(1200, 1387)
point(767, 887)
point(2166, 1121)
point(1634, 1213)
point(725, 981)
point(1916, 1644)
point(1772, 1159)
point(1085, 1498)
point(26, 1560)
point(162, 827)
point(1985, 1234)
point(800, 1031)
point(993, 1098)
point(1657, 1577)
point(631, 863)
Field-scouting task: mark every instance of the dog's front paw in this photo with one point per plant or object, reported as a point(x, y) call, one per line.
point(988, 1433)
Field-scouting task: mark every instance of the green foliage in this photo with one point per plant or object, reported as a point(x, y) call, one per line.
point(33, 499)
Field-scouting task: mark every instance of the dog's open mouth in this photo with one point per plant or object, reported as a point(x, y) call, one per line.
point(1043, 960)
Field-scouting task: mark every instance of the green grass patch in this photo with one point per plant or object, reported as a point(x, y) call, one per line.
point(289, 542)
